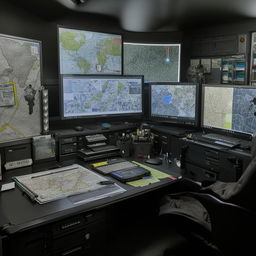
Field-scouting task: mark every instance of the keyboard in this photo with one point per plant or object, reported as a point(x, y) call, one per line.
point(218, 139)
point(115, 167)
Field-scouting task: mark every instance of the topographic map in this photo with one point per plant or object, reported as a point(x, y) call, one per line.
point(85, 52)
point(218, 107)
point(59, 183)
point(20, 82)
point(157, 63)
point(178, 101)
point(244, 110)
point(101, 96)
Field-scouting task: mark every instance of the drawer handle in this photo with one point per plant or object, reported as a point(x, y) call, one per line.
point(71, 251)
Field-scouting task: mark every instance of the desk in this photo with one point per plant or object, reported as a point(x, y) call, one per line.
point(24, 217)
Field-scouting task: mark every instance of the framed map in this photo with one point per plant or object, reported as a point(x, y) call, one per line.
point(87, 52)
point(20, 83)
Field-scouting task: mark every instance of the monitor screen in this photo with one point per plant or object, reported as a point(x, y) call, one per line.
point(90, 96)
point(87, 52)
point(156, 62)
point(174, 102)
point(229, 108)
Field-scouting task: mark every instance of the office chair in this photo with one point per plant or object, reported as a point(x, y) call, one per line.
point(216, 220)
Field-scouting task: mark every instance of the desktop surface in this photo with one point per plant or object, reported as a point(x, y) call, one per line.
point(34, 215)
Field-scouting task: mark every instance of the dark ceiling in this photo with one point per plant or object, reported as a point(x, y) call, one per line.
point(150, 15)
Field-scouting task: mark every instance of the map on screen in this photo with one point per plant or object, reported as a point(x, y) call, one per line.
point(173, 101)
point(218, 104)
point(244, 110)
point(86, 52)
point(20, 84)
point(101, 96)
point(230, 108)
point(158, 63)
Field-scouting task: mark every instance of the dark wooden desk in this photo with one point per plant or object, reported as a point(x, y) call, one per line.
point(20, 215)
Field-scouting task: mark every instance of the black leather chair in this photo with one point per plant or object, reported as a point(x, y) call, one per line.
point(217, 220)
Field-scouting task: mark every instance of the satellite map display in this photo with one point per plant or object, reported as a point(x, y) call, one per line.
point(230, 108)
point(158, 63)
point(85, 52)
point(173, 100)
point(96, 96)
point(20, 83)
point(244, 110)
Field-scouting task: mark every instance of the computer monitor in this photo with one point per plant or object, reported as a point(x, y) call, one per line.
point(176, 103)
point(100, 96)
point(89, 52)
point(230, 109)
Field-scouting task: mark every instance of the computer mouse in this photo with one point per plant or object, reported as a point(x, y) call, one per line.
point(155, 161)
point(79, 128)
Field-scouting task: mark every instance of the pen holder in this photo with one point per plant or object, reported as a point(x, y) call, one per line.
point(142, 149)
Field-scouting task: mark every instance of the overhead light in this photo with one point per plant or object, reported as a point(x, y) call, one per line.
point(78, 2)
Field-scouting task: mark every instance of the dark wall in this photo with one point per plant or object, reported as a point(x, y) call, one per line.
point(235, 28)
point(18, 21)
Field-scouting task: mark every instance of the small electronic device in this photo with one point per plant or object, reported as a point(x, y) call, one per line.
point(176, 103)
point(229, 109)
point(100, 96)
point(130, 174)
point(95, 138)
point(18, 156)
point(108, 168)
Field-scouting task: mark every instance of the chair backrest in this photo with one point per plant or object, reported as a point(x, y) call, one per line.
point(243, 191)
point(233, 227)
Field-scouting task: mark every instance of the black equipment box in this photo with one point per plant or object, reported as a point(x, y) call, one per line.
point(130, 174)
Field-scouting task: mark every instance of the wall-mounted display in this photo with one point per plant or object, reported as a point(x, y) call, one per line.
point(20, 83)
point(157, 62)
point(88, 52)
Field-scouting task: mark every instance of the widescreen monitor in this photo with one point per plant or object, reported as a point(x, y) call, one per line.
point(100, 96)
point(231, 109)
point(176, 103)
point(88, 52)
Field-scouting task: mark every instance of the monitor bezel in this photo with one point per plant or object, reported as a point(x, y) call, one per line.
point(180, 121)
point(131, 114)
point(224, 131)
point(96, 31)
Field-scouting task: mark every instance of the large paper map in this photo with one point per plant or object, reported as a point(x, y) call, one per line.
point(20, 81)
point(51, 185)
point(85, 52)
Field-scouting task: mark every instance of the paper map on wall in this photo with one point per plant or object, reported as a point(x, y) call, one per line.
point(20, 81)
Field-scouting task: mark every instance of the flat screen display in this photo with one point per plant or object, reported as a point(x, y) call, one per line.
point(156, 62)
point(174, 102)
point(229, 108)
point(87, 52)
point(90, 96)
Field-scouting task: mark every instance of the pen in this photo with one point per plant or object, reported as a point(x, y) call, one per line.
point(45, 174)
